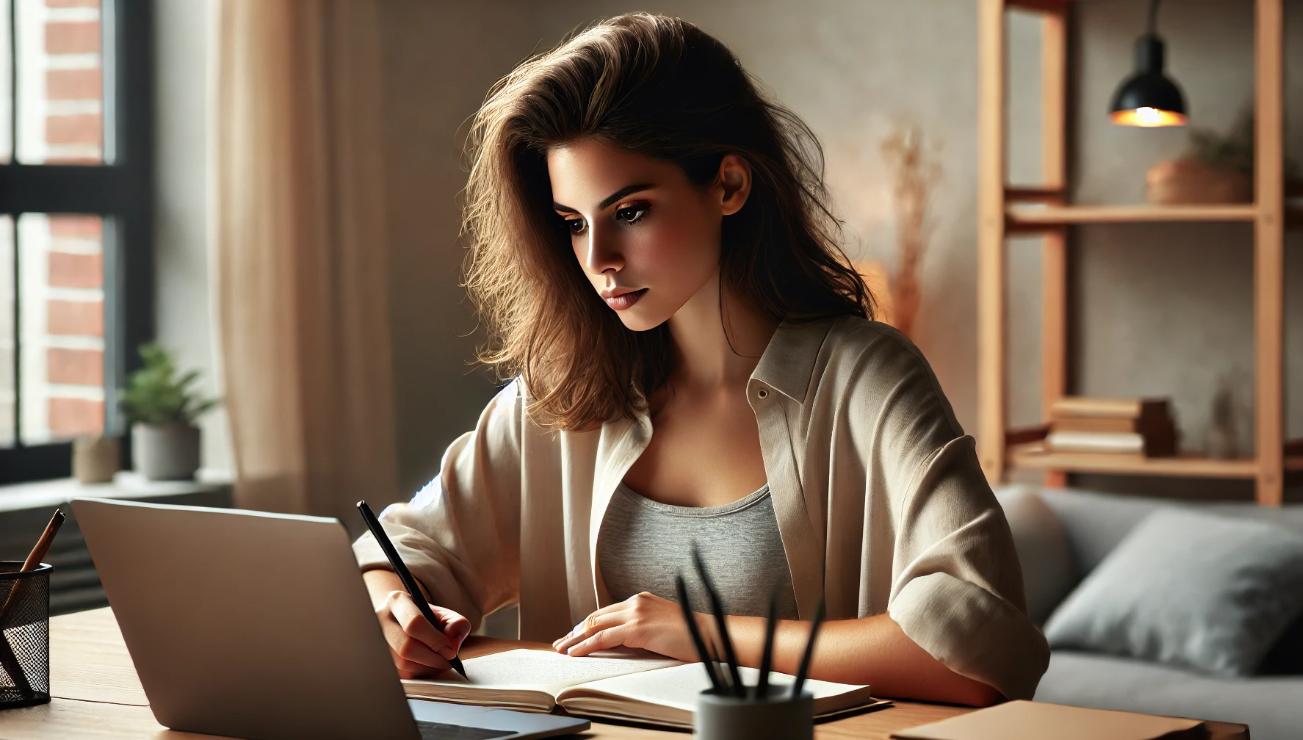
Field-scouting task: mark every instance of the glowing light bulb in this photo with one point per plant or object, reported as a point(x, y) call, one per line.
point(1148, 117)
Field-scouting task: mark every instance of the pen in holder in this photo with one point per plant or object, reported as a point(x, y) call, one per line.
point(731, 710)
point(24, 635)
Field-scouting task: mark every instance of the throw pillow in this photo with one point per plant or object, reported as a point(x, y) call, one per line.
point(1188, 589)
point(1048, 570)
point(1286, 657)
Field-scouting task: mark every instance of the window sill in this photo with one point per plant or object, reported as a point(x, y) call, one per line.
point(212, 488)
point(26, 507)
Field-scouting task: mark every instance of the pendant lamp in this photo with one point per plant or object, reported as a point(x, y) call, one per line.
point(1148, 97)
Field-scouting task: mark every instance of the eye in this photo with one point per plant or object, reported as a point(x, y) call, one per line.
point(576, 225)
point(632, 214)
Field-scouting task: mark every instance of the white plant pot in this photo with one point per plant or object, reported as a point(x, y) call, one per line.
point(165, 451)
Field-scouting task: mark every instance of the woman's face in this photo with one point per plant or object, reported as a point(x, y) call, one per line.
point(646, 237)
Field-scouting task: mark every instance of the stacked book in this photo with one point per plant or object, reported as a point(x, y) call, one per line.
point(1140, 426)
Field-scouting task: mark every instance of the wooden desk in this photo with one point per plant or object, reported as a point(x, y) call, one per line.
point(98, 696)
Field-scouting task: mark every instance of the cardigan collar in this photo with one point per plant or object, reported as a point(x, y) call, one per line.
point(788, 360)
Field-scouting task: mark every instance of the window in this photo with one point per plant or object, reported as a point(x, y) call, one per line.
point(76, 264)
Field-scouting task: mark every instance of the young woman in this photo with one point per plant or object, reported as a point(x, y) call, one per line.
point(694, 361)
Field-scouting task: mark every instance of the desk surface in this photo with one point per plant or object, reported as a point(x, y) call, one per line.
point(98, 696)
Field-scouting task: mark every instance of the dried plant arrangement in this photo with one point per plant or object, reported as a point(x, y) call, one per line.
point(1215, 168)
point(915, 171)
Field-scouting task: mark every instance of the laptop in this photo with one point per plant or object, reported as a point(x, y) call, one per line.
point(256, 625)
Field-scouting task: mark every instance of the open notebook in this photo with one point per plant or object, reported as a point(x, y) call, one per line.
point(614, 685)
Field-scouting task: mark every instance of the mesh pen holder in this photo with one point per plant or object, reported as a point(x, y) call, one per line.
point(24, 635)
point(776, 717)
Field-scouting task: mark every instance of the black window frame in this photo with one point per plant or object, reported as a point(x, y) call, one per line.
point(122, 193)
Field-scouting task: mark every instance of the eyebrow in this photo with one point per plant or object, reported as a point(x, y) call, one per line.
point(608, 200)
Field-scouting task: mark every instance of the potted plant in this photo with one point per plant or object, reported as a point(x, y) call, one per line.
point(1215, 168)
point(162, 407)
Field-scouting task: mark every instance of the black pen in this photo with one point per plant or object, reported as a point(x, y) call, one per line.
point(809, 651)
point(405, 576)
point(696, 635)
point(766, 658)
point(717, 606)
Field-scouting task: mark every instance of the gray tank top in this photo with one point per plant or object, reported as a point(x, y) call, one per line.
point(644, 544)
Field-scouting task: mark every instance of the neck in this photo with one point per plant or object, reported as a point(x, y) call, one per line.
point(711, 353)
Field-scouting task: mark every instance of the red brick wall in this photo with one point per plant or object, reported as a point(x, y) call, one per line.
point(74, 355)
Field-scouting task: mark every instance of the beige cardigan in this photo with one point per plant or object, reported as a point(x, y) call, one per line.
point(880, 501)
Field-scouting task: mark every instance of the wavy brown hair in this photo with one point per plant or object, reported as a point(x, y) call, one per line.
point(663, 88)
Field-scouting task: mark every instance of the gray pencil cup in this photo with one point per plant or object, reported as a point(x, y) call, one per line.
point(778, 716)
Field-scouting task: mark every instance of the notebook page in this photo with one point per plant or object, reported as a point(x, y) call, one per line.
point(678, 687)
point(545, 670)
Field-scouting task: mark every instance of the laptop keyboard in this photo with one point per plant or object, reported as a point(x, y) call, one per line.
point(440, 731)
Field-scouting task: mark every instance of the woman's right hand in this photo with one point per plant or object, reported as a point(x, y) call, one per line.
point(417, 648)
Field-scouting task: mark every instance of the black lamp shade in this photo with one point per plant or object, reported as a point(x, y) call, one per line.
point(1148, 97)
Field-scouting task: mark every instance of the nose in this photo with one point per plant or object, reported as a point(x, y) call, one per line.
point(603, 252)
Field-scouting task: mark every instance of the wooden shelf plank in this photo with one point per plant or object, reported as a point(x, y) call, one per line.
point(1190, 465)
point(1063, 215)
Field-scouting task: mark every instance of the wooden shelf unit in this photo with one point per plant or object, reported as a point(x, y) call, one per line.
point(1185, 465)
point(1039, 217)
point(998, 218)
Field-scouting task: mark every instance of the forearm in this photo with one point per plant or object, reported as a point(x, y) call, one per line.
point(870, 650)
point(380, 582)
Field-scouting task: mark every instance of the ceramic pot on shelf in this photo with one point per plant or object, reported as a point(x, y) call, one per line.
point(1187, 180)
point(165, 451)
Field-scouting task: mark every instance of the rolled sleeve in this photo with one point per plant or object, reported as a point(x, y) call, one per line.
point(956, 586)
point(460, 534)
point(958, 590)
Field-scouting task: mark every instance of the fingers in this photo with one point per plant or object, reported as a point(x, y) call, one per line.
point(408, 649)
point(606, 639)
point(456, 628)
point(412, 669)
point(594, 623)
point(417, 627)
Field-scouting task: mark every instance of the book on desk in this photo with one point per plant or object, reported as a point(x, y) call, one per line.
point(623, 685)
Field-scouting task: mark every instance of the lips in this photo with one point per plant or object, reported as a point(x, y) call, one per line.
point(622, 298)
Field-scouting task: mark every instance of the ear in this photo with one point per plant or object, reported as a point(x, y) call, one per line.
point(733, 183)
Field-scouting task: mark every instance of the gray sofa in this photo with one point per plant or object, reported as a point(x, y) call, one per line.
point(1059, 546)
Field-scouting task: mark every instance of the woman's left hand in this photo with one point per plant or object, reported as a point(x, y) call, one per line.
point(643, 621)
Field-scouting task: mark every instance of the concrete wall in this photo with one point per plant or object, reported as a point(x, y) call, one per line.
point(182, 310)
point(852, 69)
point(1168, 309)
point(431, 88)
point(1161, 309)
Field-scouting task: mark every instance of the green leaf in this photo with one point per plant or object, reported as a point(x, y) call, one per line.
point(155, 395)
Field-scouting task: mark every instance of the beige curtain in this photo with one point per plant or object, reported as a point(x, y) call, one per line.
point(300, 254)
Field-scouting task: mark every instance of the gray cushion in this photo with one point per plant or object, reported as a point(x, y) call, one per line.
point(1190, 589)
point(1096, 522)
point(1048, 570)
point(1270, 706)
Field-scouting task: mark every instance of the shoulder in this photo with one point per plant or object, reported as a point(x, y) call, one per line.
point(504, 413)
point(512, 396)
point(856, 341)
point(873, 367)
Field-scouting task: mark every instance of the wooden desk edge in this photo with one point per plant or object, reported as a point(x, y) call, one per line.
point(98, 624)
